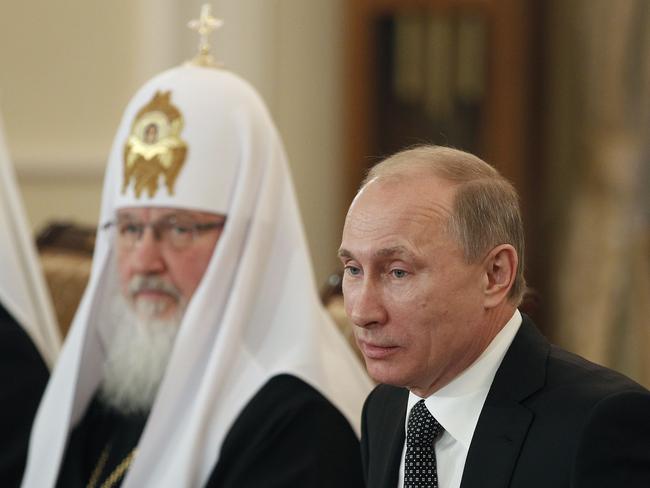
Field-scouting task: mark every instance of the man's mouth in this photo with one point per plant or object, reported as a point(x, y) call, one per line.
point(376, 350)
point(152, 294)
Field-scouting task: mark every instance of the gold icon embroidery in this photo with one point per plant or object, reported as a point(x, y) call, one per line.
point(154, 148)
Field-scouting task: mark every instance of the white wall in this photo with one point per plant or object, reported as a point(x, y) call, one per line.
point(68, 68)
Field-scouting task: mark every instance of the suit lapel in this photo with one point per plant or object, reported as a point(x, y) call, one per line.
point(503, 424)
point(495, 446)
point(387, 451)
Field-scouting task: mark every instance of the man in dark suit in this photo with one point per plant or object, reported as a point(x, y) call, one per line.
point(433, 255)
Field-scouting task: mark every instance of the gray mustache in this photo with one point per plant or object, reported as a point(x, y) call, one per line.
point(142, 282)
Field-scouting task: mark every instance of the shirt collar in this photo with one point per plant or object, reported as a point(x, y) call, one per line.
point(457, 405)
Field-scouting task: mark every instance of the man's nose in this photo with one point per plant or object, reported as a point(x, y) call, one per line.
point(147, 253)
point(366, 305)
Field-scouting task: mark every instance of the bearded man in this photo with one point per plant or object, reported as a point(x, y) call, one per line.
point(200, 354)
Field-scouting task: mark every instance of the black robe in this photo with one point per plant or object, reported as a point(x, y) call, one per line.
point(23, 376)
point(288, 435)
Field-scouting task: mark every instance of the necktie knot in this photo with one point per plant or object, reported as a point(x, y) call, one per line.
point(423, 428)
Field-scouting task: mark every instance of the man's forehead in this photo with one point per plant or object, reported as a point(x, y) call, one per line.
point(384, 203)
point(413, 188)
point(153, 213)
point(393, 218)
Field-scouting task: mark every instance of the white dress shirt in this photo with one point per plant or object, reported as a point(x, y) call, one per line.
point(457, 407)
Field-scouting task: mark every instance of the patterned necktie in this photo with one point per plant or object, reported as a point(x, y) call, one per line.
point(420, 463)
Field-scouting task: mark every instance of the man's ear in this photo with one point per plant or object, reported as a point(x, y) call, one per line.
point(500, 268)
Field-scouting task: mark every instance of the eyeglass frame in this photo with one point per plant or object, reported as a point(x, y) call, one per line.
point(160, 228)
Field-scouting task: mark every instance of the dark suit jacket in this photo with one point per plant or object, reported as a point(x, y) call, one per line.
point(551, 420)
point(23, 376)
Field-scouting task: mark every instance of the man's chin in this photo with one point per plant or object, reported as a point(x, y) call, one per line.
point(384, 371)
point(155, 307)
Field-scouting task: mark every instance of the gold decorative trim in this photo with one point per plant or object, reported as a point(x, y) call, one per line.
point(154, 148)
point(116, 474)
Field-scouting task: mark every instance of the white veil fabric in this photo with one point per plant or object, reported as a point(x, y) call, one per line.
point(23, 292)
point(255, 314)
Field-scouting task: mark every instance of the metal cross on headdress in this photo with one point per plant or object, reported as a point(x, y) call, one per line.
point(204, 25)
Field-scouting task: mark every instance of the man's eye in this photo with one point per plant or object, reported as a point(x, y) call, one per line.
point(182, 229)
point(130, 228)
point(352, 270)
point(398, 273)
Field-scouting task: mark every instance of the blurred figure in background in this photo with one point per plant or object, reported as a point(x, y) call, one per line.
point(29, 337)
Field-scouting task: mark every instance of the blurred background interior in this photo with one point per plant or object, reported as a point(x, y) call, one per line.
point(554, 93)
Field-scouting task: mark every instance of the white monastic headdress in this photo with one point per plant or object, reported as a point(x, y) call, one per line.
point(23, 292)
point(256, 312)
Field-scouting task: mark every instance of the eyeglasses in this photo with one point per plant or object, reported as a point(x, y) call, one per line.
point(173, 231)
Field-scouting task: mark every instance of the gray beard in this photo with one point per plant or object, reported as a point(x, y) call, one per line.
point(137, 357)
